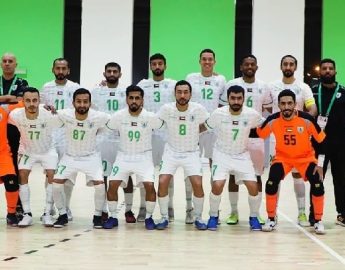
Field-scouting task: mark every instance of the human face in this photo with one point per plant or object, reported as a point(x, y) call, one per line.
point(207, 62)
point(249, 67)
point(82, 103)
point(182, 94)
point(61, 70)
point(236, 101)
point(134, 101)
point(157, 67)
point(287, 106)
point(288, 67)
point(327, 73)
point(31, 102)
point(112, 75)
point(8, 64)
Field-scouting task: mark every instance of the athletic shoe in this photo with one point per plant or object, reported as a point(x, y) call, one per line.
point(12, 219)
point(319, 228)
point(142, 214)
point(340, 220)
point(105, 216)
point(311, 219)
point(212, 223)
point(189, 216)
point(26, 221)
point(110, 223)
point(130, 218)
point(269, 226)
point(150, 224)
point(52, 213)
point(163, 224)
point(171, 214)
point(47, 220)
point(302, 220)
point(254, 224)
point(61, 221)
point(261, 220)
point(69, 214)
point(97, 222)
point(232, 219)
point(200, 225)
point(19, 211)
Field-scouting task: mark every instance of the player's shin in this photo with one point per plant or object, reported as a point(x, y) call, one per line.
point(59, 197)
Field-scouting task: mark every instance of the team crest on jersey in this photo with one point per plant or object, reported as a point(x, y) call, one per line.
point(80, 124)
point(235, 123)
point(44, 125)
point(134, 124)
point(112, 94)
point(245, 123)
point(250, 90)
point(192, 118)
point(183, 118)
point(260, 91)
point(300, 129)
point(156, 85)
point(91, 125)
point(144, 125)
point(32, 126)
point(60, 93)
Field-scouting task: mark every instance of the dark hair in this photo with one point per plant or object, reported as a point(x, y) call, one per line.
point(112, 64)
point(286, 56)
point(328, 60)
point(235, 89)
point(183, 82)
point(59, 60)
point(158, 56)
point(31, 90)
point(207, 51)
point(81, 91)
point(134, 88)
point(248, 56)
point(287, 93)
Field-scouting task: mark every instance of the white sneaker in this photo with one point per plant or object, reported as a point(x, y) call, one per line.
point(302, 220)
point(142, 214)
point(318, 227)
point(52, 213)
point(269, 226)
point(47, 220)
point(26, 221)
point(189, 216)
point(69, 214)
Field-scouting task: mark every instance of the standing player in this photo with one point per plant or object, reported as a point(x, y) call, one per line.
point(292, 130)
point(304, 99)
point(35, 125)
point(158, 91)
point(208, 88)
point(135, 126)
point(182, 119)
point(232, 124)
point(257, 96)
point(80, 126)
point(110, 97)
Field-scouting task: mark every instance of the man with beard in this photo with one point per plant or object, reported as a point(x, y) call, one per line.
point(330, 98)
point(135, 126)
point(158, 91)
point(80, 126)
point(58, 94)
point(304, 101)
point(233, 123)
point(109, 97)
point(292, 129)
point(257, 96)
point(182, 119)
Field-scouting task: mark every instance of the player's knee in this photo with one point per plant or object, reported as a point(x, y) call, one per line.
point(10, 182)
point(316, 186)
point(271, 187)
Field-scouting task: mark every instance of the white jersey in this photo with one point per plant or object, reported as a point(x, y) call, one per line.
point(81, 135)
point(233, 130)
point(183, 127)
point(157, 93)
point(257, 94)
point(304, 95)
point(59, 96)
point(207, 90)
point(135, 131)
point(35, 135)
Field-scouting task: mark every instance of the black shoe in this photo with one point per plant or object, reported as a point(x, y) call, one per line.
point(97, 222)
point(311, 219)
point(340, 220)
point(105, 216)
point(19, 212)
point(12, 220)
point(61, 221)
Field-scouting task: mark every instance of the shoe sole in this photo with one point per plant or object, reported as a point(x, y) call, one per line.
point(232, 223)
point(59, 226)
point(131, 221)
point(98, 227)
point(189, 222)
point(140, 219)
point(340, 223)
point(48, 225)
point(24, 226)
point(212, 229)
point(255, 230)
point(201, 228)
point(320, 233)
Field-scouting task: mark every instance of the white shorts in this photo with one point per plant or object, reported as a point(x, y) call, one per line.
point(158, 143)
point(69, 167)
point(108, 149)
point(207, 140)
point(241, 166)
point(256, 148)
point(189, 161)
point(139, 164)
point(47, 160)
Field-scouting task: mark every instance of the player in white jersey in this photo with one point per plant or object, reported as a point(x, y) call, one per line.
point(230, 154)
point(158, 91)
point(304, 101)
point(35, 125)
point(80, 126)
point(257, 96)
point(208, 88)
point(135, 126)
point(58, 94)
point(182, 119)
point(109, 97)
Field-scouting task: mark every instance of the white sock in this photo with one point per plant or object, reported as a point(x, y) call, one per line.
point(299, 188)
point(198, 206)
point(163, 205)
point(59, 198)
point(128, 201)
point(254, 204)
point(105, 206)
point(24, 193)
point(113, 208)
point(142, 197)
point(150, 207)
point(99, 199)
point(171, 193)
point(68, 192)
point(214, 204)
point(49, 199)
point(233, 197)
point(189, 193)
